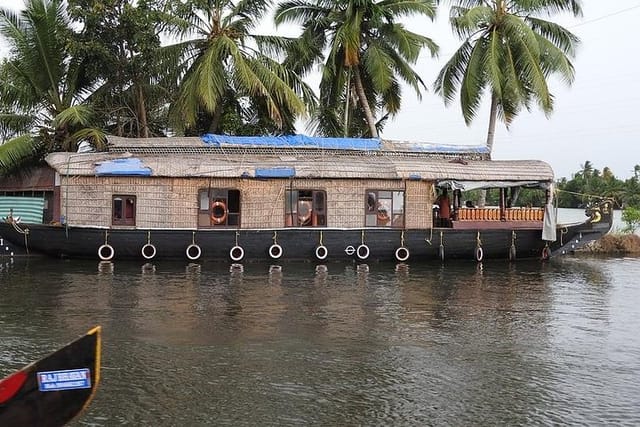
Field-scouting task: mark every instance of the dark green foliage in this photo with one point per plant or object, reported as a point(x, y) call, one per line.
point(224, 70)
point(365, 52)
point(43, 87)
point(590, 182)
point(119, 42)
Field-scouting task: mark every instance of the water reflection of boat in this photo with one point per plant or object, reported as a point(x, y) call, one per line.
point(238, 199)
point(55, 389)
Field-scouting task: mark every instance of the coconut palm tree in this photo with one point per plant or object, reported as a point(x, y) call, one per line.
point(42, 86)
point(508, 52)
point(366, 50)
point(221, 66)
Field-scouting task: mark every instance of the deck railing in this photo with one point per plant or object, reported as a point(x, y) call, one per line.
point(493, 214)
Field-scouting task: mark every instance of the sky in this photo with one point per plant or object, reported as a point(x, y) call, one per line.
point(596, 119)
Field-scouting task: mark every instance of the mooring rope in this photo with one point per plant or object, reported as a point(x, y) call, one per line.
point(24, 232)
point(430, 236)
point(590, 196)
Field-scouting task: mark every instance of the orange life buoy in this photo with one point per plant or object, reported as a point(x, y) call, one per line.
point(218, 212)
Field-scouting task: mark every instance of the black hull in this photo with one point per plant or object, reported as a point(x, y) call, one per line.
point(300, 244)
point(22, 403)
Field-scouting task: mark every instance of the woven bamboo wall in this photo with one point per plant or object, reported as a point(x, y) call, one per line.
point(160, 202)
point(419, 204)
point(173, 202)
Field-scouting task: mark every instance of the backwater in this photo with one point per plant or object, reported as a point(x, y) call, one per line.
point(457, 343)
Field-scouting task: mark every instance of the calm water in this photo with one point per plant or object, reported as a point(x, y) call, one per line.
point(189, 345)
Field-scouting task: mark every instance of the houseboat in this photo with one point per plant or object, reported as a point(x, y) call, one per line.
point(288, 198)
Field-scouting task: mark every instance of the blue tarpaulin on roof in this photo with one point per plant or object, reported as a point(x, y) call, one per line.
point(277, 172)
point(294, 141)
point(123, 167)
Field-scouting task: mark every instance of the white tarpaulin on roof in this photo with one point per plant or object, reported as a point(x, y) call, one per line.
point(475, 185)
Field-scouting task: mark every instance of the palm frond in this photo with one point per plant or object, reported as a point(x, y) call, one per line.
point(95, 137)
point(553, 60)
point(376, 62)
point(559, 36)
point(473, 81)
point(450, 76)
point(406, 8)
point(524, 43)
point(493, 62)
point(78, 115)
point(17, 153)
point(550, 7)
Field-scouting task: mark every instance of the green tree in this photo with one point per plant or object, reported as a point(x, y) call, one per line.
point(119, 40)
point(223, 66)
point(509, 52)
point(368, 52)
point(586, 170)
point(589, 183)
point(631, 218)
point(631, 192)
point(43, 86)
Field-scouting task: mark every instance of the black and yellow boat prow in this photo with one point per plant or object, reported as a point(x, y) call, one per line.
point(56, 388)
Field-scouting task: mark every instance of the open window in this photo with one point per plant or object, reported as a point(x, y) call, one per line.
point(123, 211)
point(305, 208)
point(218, 207)
point(384, 208)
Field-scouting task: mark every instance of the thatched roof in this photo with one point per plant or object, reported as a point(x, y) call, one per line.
point(186, 157)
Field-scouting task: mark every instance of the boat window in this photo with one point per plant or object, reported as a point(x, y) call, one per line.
point(384, 208)
point(123, 210)
point(305, 208)
point(218, 207)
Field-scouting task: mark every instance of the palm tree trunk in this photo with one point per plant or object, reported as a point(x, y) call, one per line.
point(365, 104)
point(142, 114)
point(346, 105)
point(215, 120)
point(493, 114)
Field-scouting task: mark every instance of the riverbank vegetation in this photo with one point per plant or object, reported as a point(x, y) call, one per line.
point(615, 244)
point(590, 182)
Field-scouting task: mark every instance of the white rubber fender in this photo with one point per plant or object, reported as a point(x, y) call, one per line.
point(402, 254)
point(144, 249)
point(110, 253)
point(197, 254)
point(363, 251)
point(322, 252)
point(236, 253)
point(275, 251)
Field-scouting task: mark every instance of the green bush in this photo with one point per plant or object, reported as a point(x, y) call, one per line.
point(631, 218)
